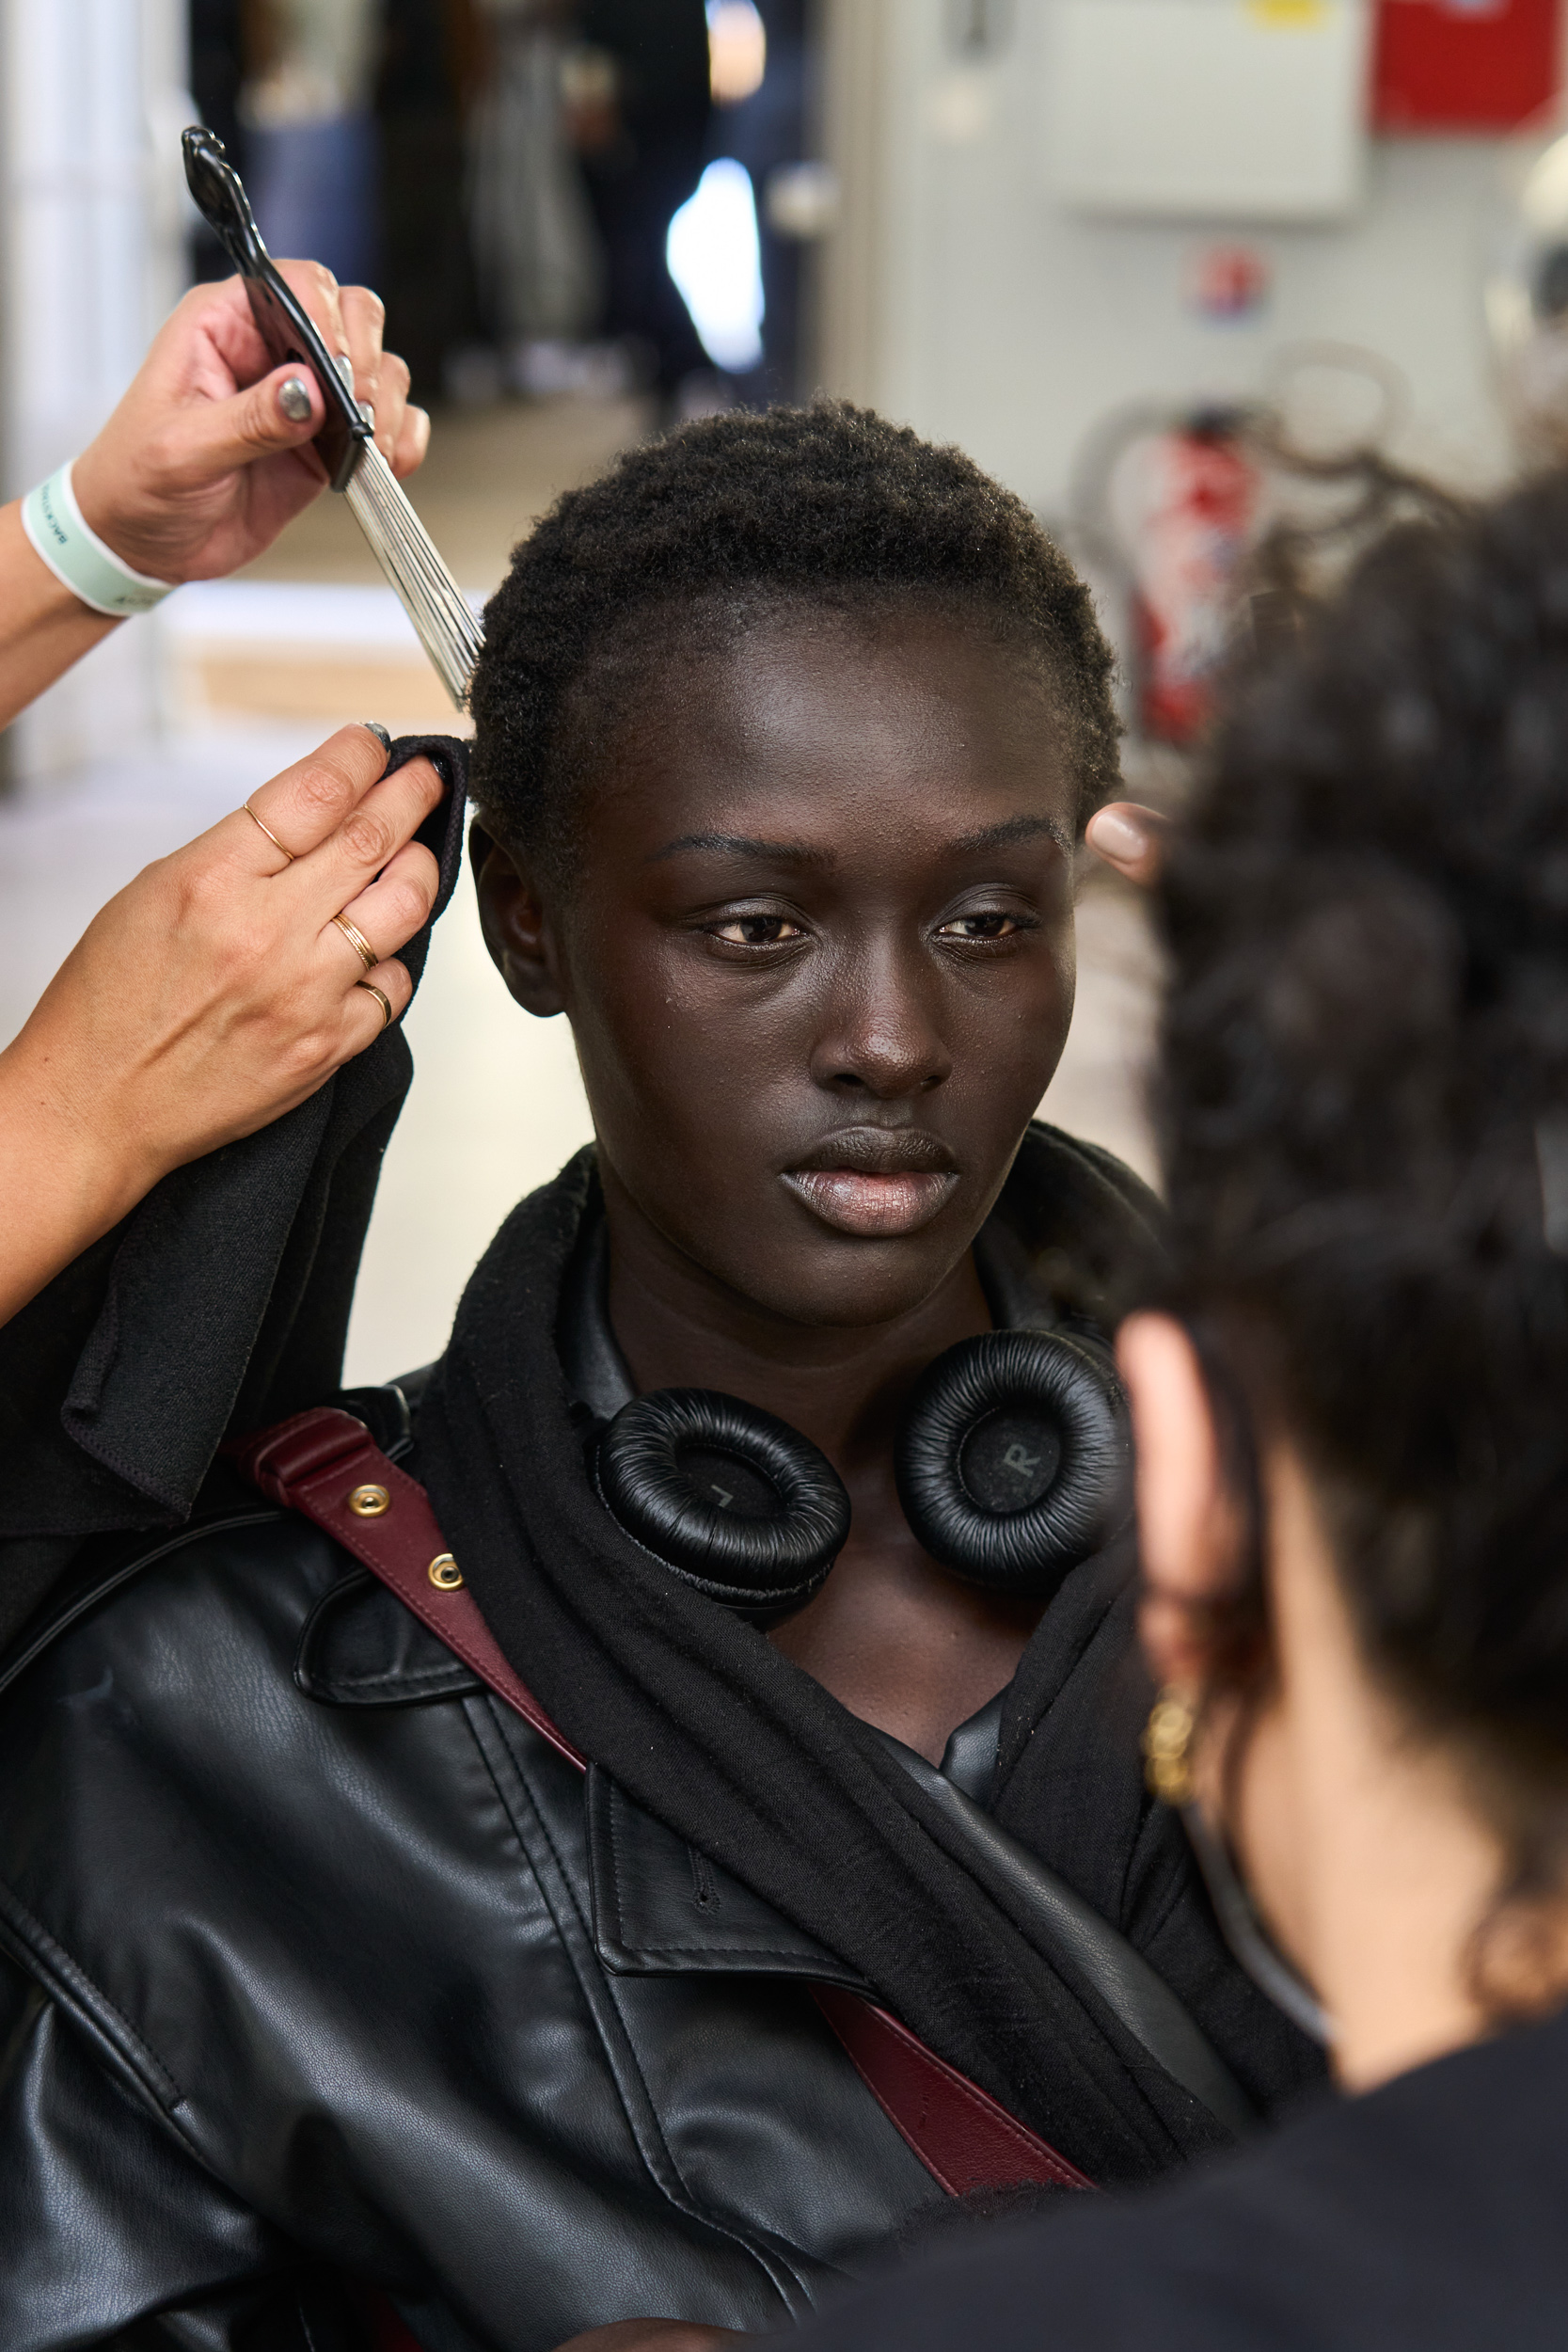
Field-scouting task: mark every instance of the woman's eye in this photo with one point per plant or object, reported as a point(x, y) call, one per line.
point(991, 926)
point(757, 930)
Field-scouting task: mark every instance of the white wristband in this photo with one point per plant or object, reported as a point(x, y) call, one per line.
point(78, 557)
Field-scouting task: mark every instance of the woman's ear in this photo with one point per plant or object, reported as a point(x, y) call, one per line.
point(1187, 1523)
point(515, 926)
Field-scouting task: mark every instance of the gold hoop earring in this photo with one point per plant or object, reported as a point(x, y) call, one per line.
point(1168, 1744)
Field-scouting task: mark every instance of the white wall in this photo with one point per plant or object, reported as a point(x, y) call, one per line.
point(1002, 322)
point(91, 104)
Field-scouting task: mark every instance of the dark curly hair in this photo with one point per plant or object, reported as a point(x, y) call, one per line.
point(724, 518)
point(1365, 1104)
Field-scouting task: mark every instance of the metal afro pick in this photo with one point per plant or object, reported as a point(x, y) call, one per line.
point(447, 629)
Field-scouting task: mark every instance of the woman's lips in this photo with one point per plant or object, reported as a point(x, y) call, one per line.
point(871, 1205)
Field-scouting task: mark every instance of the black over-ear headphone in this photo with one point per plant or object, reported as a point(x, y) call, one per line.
point(1012, 1459)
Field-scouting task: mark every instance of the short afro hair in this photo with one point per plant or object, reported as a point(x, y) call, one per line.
point(723, 517)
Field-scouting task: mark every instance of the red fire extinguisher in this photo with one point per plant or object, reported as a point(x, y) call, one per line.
point(1198, 505)
point(1464, 65)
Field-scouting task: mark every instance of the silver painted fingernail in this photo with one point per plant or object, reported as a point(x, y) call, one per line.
point(379, 731)
point(294, 398)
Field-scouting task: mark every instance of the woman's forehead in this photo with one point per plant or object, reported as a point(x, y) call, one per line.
point(884, 710)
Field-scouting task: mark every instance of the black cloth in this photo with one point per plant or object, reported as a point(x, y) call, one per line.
point(704, 1723)
point(220, 1303)
point(1430, 2216)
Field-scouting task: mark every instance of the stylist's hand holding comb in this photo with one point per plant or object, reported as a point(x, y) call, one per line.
point(216, 991)
point(203, 462)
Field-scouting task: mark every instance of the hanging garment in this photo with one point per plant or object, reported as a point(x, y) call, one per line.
point(536, 253)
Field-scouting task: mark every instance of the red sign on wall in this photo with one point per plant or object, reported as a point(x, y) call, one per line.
point(1464, 65)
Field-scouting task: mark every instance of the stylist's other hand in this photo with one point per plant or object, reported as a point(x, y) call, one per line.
point(202, 464)
point(1130, 839)
point(214, 994)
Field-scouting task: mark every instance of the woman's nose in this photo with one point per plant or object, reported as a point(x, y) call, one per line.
point(881, 1034)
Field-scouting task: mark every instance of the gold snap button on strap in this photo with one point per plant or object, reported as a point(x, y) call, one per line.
point(444, 1572)
point(367, 1502)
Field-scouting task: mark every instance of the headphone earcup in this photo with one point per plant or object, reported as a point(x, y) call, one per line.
point(1013, 1459)
point(735, 1503)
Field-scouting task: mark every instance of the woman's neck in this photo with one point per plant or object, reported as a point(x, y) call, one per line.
point(895, 1639)
point(842, 1387)
point(1362, 1838)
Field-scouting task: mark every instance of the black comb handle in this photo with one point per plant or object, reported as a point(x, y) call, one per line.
point(284, 324)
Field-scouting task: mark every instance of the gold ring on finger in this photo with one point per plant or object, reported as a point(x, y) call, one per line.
point(357, 941)
point(385, 1002)
point(277, 845)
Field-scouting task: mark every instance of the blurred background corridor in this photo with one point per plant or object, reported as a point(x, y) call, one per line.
point(1216, 285)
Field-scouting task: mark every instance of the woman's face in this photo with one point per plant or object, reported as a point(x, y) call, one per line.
point(817, 954)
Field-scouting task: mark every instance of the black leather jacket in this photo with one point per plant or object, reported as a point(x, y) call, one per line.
point(373, 1994)
point(319, 1971)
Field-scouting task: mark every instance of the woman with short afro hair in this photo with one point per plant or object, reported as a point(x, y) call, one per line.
point(776, 1450)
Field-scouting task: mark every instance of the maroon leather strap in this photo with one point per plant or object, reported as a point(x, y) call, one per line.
point(322, 1463)
point(965, 2139)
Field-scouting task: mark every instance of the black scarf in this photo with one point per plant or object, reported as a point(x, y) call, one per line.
point(713, 1730)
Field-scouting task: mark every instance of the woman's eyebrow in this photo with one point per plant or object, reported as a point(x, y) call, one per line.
point(1011, 829)
point(800, 853)
point(741, 844)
